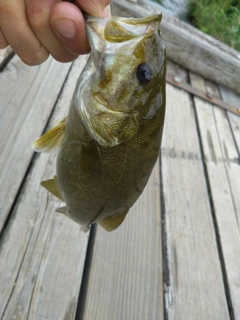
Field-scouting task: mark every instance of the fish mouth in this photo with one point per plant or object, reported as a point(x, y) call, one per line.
point(118, 29)
point(109, 34)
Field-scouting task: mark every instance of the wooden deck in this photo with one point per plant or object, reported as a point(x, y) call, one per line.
point(176, 256)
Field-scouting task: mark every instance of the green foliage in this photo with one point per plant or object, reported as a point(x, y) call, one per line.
point(219, 18)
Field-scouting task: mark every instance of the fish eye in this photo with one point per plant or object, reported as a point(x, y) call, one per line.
point(145, 73)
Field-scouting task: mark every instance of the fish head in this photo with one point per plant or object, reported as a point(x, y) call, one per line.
point(126, 81)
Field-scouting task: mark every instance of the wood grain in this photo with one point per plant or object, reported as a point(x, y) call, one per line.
point(42, 253)
point(222, 162)
point(126, 272)
point(189, 47)
point(194, 286)
point(234, 99)
point(27, 97)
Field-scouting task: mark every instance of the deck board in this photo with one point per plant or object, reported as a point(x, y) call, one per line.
point(220, 154)
point(42, 253)
point(27, 97)
point(125, 279)
point(195, 289)
point(234, 99)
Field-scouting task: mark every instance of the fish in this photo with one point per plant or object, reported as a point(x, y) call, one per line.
point(109, 142)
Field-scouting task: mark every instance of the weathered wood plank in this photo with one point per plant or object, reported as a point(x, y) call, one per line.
point(189, 47)
point(42, 253)
point(27, 97)
point(234, 99)
point(126, 271)
point(5, 55)
point(221, 157)
point(194, 285)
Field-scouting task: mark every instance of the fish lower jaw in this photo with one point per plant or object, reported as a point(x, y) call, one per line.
point(102, 108)
point(102, 105)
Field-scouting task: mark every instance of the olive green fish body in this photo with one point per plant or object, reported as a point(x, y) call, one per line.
point(103, 181)
point(113, 131)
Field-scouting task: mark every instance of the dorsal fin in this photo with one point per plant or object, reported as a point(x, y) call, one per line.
point(110, 224)
point(52, 186)
point(52, 139)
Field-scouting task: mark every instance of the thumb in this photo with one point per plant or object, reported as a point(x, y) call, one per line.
point(106, 12)
point(97, 8)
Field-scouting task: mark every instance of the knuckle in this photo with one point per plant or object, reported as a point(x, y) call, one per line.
point(35, 21)
point(36, 58)
point(64, 58)
point(36, 16)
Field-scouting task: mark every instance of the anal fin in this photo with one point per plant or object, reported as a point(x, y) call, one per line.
point(110, 224)
point(53, 187)
point(52, 139)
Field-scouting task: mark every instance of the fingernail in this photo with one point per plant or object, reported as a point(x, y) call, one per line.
point(66, 28)
point(106, 12)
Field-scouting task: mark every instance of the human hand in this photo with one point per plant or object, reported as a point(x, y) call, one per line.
point(34, 29)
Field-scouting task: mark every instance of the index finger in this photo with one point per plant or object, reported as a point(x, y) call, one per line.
point(18, 34)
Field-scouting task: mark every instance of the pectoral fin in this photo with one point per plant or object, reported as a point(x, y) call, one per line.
point(52, 139)
point(110, 224)
point(62, 210)
point(53, 187)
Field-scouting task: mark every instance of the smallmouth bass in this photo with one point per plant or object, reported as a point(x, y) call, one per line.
point(110, 140)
